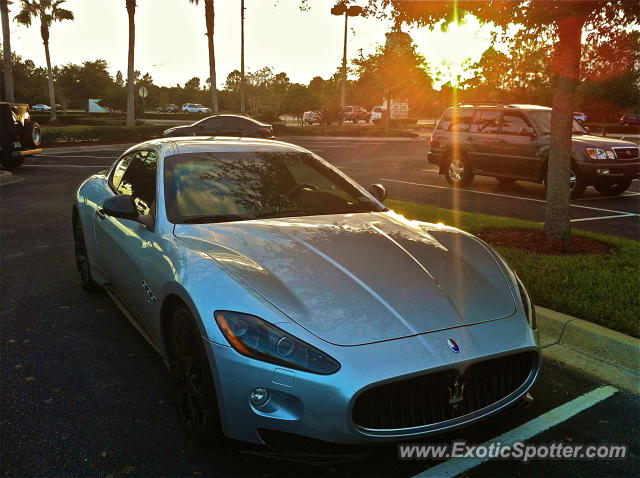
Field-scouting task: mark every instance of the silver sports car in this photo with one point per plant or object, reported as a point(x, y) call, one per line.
point(287, 301)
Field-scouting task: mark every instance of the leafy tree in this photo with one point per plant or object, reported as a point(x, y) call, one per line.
point(131, 101)
point(30, 81)
point(299, 98)
point(562, 20)
point(6, 53)
point(48, 11)
point(209, 14)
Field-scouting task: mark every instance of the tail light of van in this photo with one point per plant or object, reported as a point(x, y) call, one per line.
point(434, 142)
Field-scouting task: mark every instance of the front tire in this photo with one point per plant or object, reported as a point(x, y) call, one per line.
point(577, 185)
point(458, 171)
point(195, 395)
point(83, 267)
point(613, 189)
point(31, 135)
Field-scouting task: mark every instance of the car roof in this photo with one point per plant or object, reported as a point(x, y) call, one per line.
point(504, 105)
point(218, 144)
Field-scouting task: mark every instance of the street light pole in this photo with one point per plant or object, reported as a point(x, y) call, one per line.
point(353, 11)
point(343, 86)
point(242, 81)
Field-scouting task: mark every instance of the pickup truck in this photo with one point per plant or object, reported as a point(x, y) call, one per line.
point(19, 135)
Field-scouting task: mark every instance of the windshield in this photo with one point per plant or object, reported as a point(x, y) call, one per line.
point(542, 122)
point(236, 186)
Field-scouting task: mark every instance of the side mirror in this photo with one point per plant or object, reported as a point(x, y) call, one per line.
point(121, 206)
point(378, 191)
point(527, 131)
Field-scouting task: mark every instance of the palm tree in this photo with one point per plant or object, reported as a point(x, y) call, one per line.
point(6, 51)
point(209, 15)
point(131, 100)
point(48, 11)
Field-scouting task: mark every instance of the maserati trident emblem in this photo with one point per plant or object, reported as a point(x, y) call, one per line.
point(453, 345)
point(456, 392)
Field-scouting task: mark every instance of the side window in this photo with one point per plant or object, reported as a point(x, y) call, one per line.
point(211, 123)
point(118, 171)
point(461, 120)
point(445, 120)
point(513, 123)
point(486, 121)
point(237, 123)
point(139, 180)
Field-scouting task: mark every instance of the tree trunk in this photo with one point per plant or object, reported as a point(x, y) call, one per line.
point(566, 67)
point(6, 51)
point(131, 94)
point(209, 14)
point(44, 32)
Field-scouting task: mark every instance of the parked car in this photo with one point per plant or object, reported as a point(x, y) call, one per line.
point(247, 264)
point(311, 117)
point(19, 135)
point(223, 125)
point(580, 116)
point(629, 120)
point(376, 114)
point(356, 114)
point(511, 142)
point(60, 107)
point(41, 107)
point(168, 108)
point(195, 108)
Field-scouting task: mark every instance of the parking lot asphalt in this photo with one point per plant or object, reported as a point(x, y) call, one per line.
point(84, 395)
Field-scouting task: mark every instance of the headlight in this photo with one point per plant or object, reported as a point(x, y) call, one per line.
point(261, 340)
point(597, 153)
point(529, 308)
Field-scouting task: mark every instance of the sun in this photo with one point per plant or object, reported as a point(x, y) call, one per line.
point(451, 50)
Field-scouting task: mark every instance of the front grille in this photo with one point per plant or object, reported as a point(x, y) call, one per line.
point(442, 396)
point(630, 152)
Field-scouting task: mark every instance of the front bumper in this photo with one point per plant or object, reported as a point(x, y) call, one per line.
point(600, 171)
point(320, 407)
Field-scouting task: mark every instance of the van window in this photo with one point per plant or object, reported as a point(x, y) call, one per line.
point(486, 121)
point(456, 119)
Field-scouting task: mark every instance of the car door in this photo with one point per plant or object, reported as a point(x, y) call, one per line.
point(515, 147)
point(480, 141)
point(232, 126)
point(126, 246)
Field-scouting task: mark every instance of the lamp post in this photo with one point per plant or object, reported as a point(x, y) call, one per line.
point(242, 81)
point(352, 11)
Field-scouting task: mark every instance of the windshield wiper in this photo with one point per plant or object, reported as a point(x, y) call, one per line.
point(208, 219)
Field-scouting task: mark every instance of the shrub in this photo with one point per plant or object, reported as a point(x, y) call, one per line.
point(100, 133)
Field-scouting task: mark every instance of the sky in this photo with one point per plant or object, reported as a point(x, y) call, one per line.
point(171, 43)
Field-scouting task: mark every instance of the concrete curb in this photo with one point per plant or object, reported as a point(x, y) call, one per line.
point(351, 138)
point(598, 351)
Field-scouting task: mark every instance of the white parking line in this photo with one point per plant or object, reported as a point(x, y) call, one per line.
point(524, 432)
point(507, 196)
point(609, 197)
point(601, 217)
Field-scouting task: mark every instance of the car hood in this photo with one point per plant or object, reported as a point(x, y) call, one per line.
point(361, 278)
point(589, 140)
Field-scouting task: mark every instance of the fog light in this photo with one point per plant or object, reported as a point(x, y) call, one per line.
point(602, 171)
point(259, 396)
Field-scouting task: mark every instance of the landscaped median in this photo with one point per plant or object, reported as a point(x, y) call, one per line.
point(81, 133)
point(600, 287)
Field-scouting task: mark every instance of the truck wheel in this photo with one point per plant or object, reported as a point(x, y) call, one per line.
point(458, 171)
point(10, 162)
point(31, 136)
point(613, 189)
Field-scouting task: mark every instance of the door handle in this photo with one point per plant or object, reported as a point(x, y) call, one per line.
point(100, 213)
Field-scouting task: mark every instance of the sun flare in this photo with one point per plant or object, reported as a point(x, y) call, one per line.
point(451, 50)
